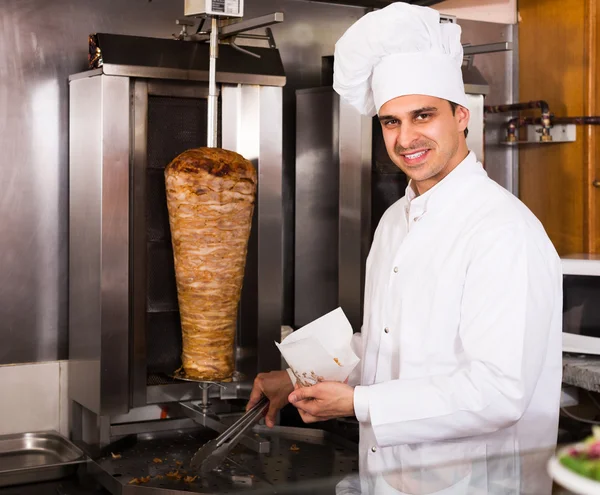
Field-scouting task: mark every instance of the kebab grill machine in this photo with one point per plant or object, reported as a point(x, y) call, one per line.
point(137, 412)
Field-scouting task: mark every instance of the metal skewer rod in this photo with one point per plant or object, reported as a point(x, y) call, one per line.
point(213, 100)
point(242, 424)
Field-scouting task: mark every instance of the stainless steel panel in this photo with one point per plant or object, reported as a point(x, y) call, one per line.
point(138, 242)
point(499, 70)
point(34, 457)
point(85, 241)
point(317, 205)
point(115, 245)
point(241, 133)
point(270, 228)
point(99, 231)
point(513, 157)
point(87, 428)
point(476, 89)
point(252, 126)
point(178, 392)
point(333, 206)
point(502, 46)
point(475, 138)
point(124, 429)
point(86, 74)
point(190, 75)
point(355, 155)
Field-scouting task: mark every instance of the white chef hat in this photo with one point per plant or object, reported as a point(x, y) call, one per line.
point(399, 50)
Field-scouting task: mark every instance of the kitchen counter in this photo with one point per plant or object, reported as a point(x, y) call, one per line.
point(582, 371)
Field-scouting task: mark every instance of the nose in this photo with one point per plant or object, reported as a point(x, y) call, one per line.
point(407, 135)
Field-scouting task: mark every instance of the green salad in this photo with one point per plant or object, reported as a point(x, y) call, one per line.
point(584, 458)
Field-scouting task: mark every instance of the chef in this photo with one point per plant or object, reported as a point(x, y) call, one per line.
point(461, 337)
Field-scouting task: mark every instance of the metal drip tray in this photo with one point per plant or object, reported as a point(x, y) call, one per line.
point(33, 457)
point(307, 460)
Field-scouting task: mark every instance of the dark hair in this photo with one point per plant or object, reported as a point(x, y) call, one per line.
point(453, 106)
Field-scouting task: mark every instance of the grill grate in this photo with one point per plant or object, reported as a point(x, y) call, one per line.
point(160, 379)
point(244, 470)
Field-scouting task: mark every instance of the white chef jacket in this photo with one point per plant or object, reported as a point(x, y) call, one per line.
point(461, 335)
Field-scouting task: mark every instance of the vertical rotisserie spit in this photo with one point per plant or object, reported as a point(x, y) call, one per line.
point(210, 197)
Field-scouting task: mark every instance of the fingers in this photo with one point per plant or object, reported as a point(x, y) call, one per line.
point(255, 395)
point(302, 393)
point(271, 416)
point(309, 407)
point(308, 418)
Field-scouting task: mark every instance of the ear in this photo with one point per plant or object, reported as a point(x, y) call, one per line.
point(462, 116)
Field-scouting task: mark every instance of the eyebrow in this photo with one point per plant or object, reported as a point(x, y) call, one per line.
point(414, 113)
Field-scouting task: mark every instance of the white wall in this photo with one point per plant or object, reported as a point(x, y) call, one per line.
point(34, 398)
point(500, 11)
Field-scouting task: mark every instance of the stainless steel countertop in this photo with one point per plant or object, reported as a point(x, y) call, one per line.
point(582, 371)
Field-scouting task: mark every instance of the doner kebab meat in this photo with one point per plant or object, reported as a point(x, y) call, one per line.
point(210, 198)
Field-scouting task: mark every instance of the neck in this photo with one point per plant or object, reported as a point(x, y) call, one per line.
point(461, 153)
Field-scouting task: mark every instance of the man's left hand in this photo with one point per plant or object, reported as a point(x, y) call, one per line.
point(323, 401)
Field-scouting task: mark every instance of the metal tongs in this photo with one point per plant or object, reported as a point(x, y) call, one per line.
point(213, 453)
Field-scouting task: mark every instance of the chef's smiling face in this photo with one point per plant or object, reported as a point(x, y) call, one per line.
point(424, 137)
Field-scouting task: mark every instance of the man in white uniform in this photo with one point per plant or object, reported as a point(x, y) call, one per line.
point(461, 339)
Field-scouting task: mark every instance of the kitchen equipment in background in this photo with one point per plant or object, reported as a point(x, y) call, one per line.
point(581, 304)
point(146, 102)
point(345, 181)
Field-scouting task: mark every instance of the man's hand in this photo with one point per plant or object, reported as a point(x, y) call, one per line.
point(323, 401)
point(276, 386)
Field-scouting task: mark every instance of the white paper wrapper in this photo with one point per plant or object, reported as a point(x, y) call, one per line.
point(321, 351)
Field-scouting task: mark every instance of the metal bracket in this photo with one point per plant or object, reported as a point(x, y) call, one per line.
point(469, 51)
point(184, 23)
point(241, 27)
point(271, 38)
point(560, 133)
point(503, 46)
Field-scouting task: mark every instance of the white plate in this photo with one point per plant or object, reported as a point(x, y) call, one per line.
point(570, 479)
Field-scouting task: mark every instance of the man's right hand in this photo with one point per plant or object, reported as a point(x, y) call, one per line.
point(276, 386)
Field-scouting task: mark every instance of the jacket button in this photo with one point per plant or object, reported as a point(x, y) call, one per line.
point(373, 449)
point(386, 330)
point(395, 269)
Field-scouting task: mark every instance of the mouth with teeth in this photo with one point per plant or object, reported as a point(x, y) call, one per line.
point(415, 157)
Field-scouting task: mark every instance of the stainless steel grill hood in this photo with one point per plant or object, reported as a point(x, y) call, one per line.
point(156, 58)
